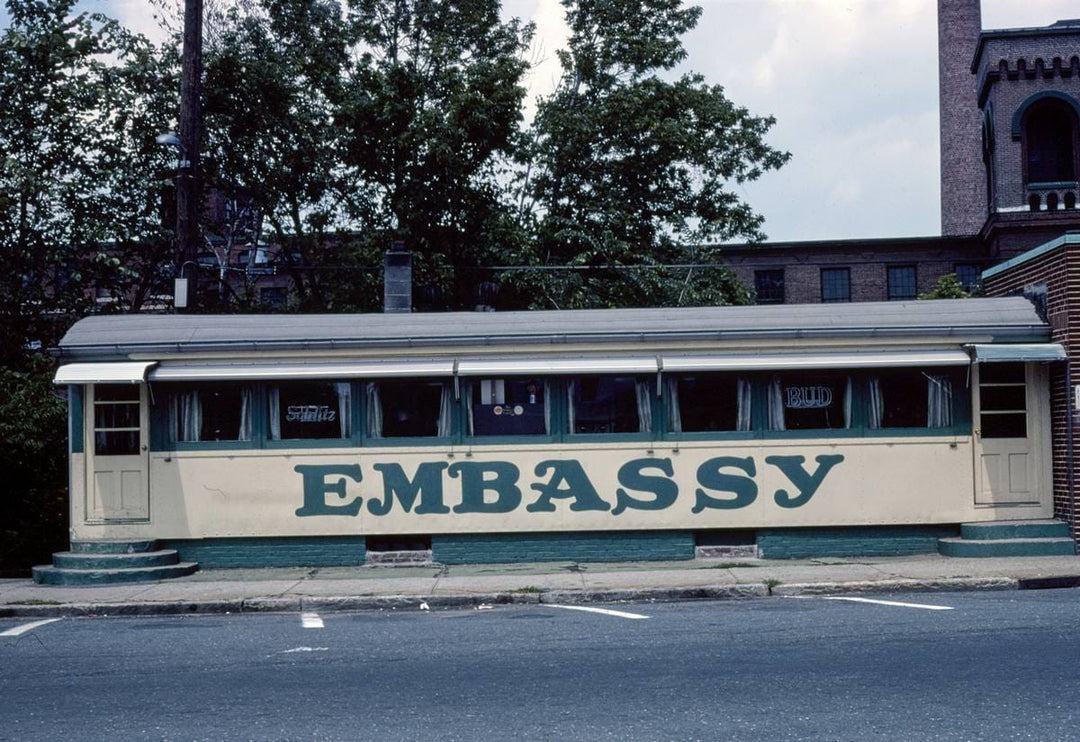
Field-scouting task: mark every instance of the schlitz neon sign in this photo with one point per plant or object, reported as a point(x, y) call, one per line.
point(495, 487)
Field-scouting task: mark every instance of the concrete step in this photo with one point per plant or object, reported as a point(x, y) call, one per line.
point(1009, 547)
point(49, 575)
point(112, 547)
point(410, 558)
point(79, 560)
point(1011, 529)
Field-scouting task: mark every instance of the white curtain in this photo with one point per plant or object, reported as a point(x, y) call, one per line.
point(469, 407)
point(877, 403)
point(445, 405)
point(939, 396)
point(374, 411)
point(776, 404)
point(742, 412)
point(570, 389)
point(274, 405)
point(671, 391)
point(547, 407)
point(644, 405)
point(847, 403)
point(246, 400)
point(344, 403)
point(186, 423)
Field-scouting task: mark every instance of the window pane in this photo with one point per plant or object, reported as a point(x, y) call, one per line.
point(116, 392)
point(835, 284)
point(814, 401)
point(1012, 398)
point(116, 442)
point(116, 415)
point(310, 410)
point(604, 404)
point(1008, 425)
point(210, 412)
point(968, 275)
point(1001, 373)
point(513, 406)
point(769, 286)
point(902, 285)
point(409, 408)
point(903, 399)
point(708, 402)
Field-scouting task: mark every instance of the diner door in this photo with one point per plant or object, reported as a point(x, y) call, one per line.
point(1007, 415)
point(118, 487)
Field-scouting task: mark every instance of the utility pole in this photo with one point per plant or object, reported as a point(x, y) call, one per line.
point(187, 181)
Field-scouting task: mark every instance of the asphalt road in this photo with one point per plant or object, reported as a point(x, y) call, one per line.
point(997, 666)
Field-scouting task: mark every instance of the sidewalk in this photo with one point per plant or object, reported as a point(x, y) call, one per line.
point(421, 588)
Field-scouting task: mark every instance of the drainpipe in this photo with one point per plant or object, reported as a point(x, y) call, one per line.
point(1070, 476)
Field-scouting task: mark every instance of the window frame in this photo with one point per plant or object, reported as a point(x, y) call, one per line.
point(894, 270)
point(844, 271)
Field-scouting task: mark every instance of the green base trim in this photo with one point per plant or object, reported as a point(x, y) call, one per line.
point(322, 551)
point(810, 543)
point(615, 546)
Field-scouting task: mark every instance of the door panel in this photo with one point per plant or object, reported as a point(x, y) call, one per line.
point(1007, 441)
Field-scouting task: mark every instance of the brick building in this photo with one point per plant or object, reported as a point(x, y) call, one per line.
point(1010, 119)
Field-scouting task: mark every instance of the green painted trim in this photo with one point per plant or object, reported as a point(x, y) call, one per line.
point(320, 551)
point(811, 543)
point(77, 418)
point(301, 443)
point(1069, 238)
point(586, 546)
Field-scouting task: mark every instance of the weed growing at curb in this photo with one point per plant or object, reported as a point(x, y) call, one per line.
point(771, 583)
point(530, 589)
point(34, 601)
point(732, 565)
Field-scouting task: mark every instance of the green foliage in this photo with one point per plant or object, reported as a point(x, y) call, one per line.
point(33, 457)
point(628, 166)
point(947, 287)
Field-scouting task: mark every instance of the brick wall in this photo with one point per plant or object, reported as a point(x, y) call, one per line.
point(218, 553)
point(810, 543)
point(1059, 270)
point(963, 190)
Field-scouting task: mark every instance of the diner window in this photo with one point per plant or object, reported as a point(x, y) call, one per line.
point(769, 286)
point(809, 401)
point(835, 285)
point(609, 404)
point(699, 403)
point(902, 283)
point(910, 399)
point(116, 419)
point(511, 406)
point(1002, 400)
point(309, 409)
point(411, 408)
point(210, 412)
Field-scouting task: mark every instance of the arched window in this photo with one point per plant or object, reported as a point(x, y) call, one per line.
point(1049, 133)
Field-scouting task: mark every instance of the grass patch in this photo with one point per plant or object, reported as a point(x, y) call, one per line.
point(529, 589)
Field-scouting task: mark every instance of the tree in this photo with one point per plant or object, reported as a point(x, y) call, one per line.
point(430, 123)
point(629, 169)
point(79, 194)
point(947, 287)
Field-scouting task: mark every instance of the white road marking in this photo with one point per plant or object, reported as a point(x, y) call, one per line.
point(894, 603)
point(602, 611)
point(20, 630)
point(311, 620)
point(305, 649)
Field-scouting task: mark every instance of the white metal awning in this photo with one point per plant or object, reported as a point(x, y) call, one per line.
point(782, 361)
point(294, 370)
point(1017, 352)
point(540, 366)
point(125, 372)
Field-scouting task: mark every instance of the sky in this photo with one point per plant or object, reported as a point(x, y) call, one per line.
point(852, 84)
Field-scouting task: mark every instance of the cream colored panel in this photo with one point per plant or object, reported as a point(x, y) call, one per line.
point(1018, 473)
point(747, 484)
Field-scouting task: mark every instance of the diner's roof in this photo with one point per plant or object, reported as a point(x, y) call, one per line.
point(1009, 319)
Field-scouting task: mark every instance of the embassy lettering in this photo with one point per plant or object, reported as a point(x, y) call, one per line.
point(495, 487)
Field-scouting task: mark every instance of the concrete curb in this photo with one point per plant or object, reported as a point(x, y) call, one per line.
point(292, 604)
